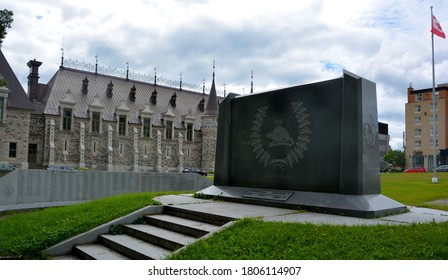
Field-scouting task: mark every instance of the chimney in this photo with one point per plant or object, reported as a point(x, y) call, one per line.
point(33, 79)
point(132, 93)
point(173, 100)
point(109, 91)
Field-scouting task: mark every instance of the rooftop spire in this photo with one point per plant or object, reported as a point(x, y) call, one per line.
point(212, 107)
point(252, 82)
point(180, 83)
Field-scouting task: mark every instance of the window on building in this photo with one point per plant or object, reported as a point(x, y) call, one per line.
point(437, 131)
point(169, 130)
point(12, 149)
point(418, 120)
point(168, 152)
point(434, 118)
point(417, 108)
point(189, 132)
point(122, 125)
point(418, 144)
point(67, 119)
point(34, 120)
point(94, 147)
point(2, 102)
point(434, 106)
point(146, 127)
point(418, 160)
point(419, 97)
point(96, 122)
point(418, 132)
point(432, 143)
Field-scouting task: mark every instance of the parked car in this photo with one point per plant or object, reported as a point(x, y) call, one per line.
point(418, 169)
point(194, 170)
point(60, 168)
point(7, 167)
point(442, 168)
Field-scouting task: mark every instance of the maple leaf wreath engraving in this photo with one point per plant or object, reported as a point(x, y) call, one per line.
point(263, 143)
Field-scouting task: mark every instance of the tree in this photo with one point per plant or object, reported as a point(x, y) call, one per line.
point(5, 23)
point(396, 158)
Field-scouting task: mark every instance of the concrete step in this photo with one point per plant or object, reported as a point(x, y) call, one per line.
point(66, 258)
point(162, 237)
point(192, 228)
point(197, 216)
point(133, 248)
point(97, 252)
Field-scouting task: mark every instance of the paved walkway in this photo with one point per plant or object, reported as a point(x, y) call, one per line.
point(237, 210)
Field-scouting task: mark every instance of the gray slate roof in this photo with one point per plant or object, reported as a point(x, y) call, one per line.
point(17, 98)
point(70, 79)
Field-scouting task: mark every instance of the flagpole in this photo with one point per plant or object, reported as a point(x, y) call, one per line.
point(434, 154)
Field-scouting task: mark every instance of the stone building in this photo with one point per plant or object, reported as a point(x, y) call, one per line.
point(103, 122)
point(15, 110)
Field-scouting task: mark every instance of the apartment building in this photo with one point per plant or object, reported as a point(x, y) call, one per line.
point(421, 113)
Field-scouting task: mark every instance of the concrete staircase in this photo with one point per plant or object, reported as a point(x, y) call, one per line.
point(156, 238)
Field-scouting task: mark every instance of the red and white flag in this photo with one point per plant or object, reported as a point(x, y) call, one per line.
point(437, 28)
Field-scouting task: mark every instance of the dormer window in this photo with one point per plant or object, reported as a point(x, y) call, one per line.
point(189, 125)
point(122, 113)
point(169, 130)
point(95, 113)
point(122, 125)
point(146, 127)
point(67, 109)
point(146, 120)
point(168, 119)
point(189, 132)
point(96, 121)
point(67, 119)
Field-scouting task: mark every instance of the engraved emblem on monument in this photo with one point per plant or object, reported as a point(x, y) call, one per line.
point(370, 131)
point(283, 145)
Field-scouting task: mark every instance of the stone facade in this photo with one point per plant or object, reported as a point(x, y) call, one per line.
point(14, 130)
point(88, 120)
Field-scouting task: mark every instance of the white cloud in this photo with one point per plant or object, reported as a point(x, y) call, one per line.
point(284, 42)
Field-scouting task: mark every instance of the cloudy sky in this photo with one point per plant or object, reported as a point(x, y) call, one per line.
point(284, 42)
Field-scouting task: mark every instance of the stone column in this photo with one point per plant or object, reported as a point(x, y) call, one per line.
point(110, 149)
point(52, 146)
point(135, 168)
point(82, 146)
point(181, 153)
point(159, 151)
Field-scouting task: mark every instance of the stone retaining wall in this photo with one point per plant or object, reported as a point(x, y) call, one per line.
point(24, 189)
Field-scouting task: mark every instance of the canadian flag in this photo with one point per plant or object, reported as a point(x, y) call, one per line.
point(437, 28)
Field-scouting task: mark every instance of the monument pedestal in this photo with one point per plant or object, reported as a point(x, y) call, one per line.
point(362, 206)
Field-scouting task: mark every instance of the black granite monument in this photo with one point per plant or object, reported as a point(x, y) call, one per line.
point(312, 146)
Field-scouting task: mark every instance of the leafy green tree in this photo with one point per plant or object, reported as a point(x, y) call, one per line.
point(5, 23)
point(396, 158)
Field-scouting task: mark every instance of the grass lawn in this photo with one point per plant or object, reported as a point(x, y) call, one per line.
point(415, 189)
point(25, 235)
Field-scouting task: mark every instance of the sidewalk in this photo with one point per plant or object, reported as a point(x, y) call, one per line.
point(237, 210)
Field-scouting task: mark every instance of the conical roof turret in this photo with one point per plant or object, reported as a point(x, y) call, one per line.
point(212, 108)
